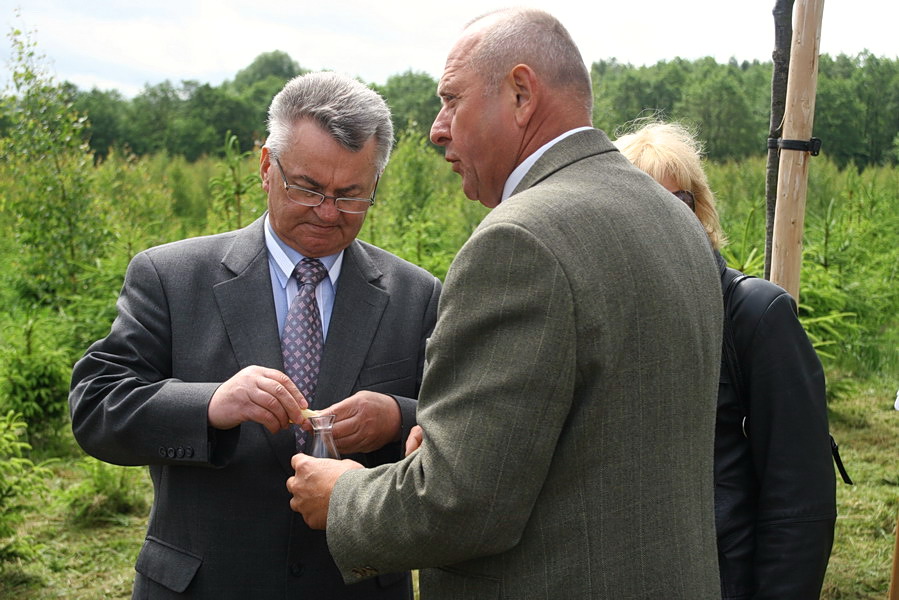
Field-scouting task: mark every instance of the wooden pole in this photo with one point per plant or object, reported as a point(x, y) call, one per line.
point(799, 115)
point(780, 58)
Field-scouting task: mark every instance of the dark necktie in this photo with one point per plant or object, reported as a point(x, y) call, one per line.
point(302, 341)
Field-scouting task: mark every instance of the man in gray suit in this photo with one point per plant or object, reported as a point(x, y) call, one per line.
point(568, 402)
point(189, 380)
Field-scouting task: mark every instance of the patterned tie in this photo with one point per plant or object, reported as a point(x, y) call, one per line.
point(302, 340)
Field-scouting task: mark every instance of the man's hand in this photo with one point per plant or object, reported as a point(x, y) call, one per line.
point(416, 436)
point(312, 484)
point(366, 421)
point(265, 396)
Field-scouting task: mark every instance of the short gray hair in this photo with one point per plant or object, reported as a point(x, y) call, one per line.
point(537, 39)
point(345, 108)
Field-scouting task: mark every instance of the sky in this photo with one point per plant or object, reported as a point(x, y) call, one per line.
point(125, 45)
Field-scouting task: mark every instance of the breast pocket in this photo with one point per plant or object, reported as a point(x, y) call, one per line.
point(397, 377)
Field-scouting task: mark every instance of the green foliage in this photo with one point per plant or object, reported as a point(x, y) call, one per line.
point(420, 214)
point(186, 184)
point(20, 480)
point(256, 85)
point(104, 492)
point(52, 201)
point(277, 64)
point(849, 303)
point(856, 106)
point(135, 203)
point(34, 382)
point(855, 109)
point(107, 124)
point(237, 195)
point(413, 101)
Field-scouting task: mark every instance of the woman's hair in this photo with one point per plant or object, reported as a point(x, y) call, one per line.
point(670, 151)
point(348, 110)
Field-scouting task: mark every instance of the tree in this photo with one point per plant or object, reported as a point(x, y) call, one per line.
point(257, 98)
point(233, 189)
point(276, 64)
point(876, 86)
point(148, 117)
point(838, 122)
point(58, 228)
point(413, 101)
point(106, 112)
point(716, 101)
point(256, 85)
point(205, 117)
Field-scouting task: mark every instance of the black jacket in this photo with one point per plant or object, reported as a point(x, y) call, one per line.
point(775, 497)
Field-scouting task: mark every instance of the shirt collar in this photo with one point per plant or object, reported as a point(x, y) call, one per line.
point(525, 166)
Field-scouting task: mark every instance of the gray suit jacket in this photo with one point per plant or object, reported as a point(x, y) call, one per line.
point(191, 314)
point(568, 403)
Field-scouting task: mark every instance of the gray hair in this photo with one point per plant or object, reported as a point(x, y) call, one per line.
point(345, 108)
point(537, 39)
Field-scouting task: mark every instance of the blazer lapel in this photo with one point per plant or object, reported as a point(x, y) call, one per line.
point(245, 301)
point(358, 307)
point(248, 314)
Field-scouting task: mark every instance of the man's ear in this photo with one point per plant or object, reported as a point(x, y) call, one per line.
point(264, 166)
point(526, 88)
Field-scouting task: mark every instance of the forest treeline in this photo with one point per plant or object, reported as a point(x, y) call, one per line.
point(857, 106)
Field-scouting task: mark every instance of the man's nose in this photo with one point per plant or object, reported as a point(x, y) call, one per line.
point(327, 210)
point(440, 135)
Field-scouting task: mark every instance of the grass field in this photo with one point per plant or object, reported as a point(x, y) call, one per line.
point(79, 562)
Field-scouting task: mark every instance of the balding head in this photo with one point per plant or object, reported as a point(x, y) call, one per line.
point(509, 37)
point(513, 82)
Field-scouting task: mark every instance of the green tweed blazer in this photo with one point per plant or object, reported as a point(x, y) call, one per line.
point(568, 403)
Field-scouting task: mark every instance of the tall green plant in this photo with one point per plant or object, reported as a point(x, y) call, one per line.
point(50, 192)
point(421, 214)
point(34, 382)
point(233, 190)
point(849, 298)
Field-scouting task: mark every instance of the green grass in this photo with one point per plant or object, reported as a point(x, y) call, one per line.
point(76, 561)
point(81, 562)
point(867, 428)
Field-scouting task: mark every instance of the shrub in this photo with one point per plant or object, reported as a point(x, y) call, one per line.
point(20, 479)
point(105, 493)
point(34, 383)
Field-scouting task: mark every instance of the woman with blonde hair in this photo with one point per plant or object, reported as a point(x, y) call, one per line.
point(775, 503)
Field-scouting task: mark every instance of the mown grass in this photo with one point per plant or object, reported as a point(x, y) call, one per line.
point(867, 429)
point(75, 560)
point(80, 561)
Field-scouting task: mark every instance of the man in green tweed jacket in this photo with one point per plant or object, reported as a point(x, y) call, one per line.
point(568, 400)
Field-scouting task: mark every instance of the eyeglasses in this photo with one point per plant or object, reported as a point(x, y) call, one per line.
point(687, 198)
point(304, 197)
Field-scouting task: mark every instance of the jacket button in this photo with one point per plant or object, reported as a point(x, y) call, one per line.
point(296, 569)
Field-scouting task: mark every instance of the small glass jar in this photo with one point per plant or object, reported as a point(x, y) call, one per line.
point(323, 445)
